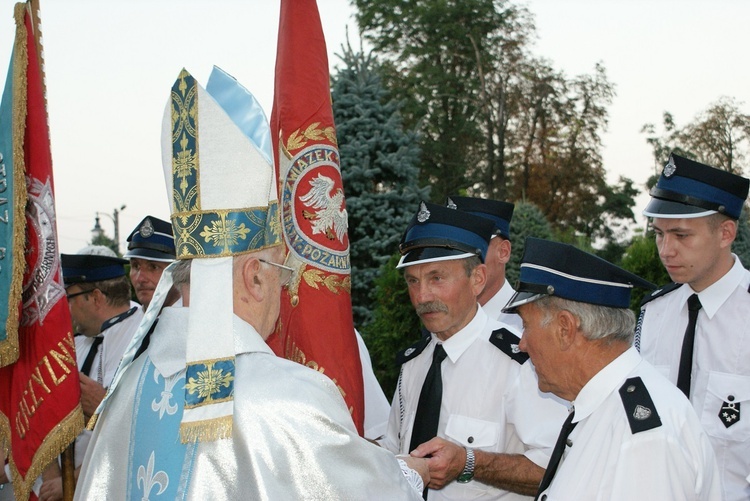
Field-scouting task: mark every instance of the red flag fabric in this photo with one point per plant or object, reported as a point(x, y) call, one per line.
point(40, 413)
point(316, 326)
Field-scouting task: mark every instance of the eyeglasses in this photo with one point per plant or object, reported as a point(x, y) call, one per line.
point(71, 296)
point(286, 271)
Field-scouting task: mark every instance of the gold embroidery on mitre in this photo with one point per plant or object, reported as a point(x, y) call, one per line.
point(333, 283)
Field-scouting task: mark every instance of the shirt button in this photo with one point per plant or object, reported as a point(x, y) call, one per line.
point(544, 497)
point(730, 398)
point(470, 440)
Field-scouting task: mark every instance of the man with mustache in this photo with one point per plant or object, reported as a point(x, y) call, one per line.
point(465, 381)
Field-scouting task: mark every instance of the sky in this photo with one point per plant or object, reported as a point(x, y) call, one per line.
point(110, 65)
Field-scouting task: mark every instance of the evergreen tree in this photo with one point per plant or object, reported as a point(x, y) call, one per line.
point(379, 170)
point(642, 258)
point(395, 324)
point(528, 221)
point(741, 245)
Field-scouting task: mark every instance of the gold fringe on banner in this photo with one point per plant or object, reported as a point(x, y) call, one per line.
point(9, 349)
point(59, 438)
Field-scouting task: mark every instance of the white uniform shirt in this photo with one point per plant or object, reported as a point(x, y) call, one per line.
point(608, 462)
point(377, 407)
point(490, 402)
point(721, 365)
point(107, 359)
point(494, 307)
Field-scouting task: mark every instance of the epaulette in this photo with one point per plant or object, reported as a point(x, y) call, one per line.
point(661, 291)
point(119, 318)
point(508, 344)
point(412, 351)
point(639, 407)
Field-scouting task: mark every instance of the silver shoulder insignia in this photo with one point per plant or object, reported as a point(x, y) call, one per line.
point(641, 413)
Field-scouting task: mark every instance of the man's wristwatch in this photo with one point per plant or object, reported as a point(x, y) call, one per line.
point(468, 472)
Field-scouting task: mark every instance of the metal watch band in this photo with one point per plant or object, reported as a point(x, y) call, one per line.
point(468, 472)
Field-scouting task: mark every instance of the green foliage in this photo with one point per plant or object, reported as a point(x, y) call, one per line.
point(528, 221)
point(395, 325)
point(494, 120)
point(718, 136)
point(379, 169)
point(102, 239)
point(642, 258)
point(741, 245)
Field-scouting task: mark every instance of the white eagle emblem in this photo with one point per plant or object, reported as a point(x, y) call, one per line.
point(329, 215)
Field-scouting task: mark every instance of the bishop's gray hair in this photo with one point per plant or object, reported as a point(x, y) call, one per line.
point(595, 321)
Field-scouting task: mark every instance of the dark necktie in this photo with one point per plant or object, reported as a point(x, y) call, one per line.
point(686, 355)
point(86, 368)
point(557, 453)
point(428, 409)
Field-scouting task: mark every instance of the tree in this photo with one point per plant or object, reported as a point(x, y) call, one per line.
point(102, 239)
point(379, 170)
point(395, 325)
point(457, 76)
point(496, 122)
point(528, 221)
point(642, 259)
point(718, 136)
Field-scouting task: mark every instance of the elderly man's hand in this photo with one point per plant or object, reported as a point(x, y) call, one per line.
point(51, 490)
point(445, 459)
point(419, 465)
point(92, 394)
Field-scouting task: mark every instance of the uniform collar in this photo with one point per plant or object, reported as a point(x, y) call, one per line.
point(118, 318)
point(606, 381)
point(715, 295)
point(460, 341)
point(501, 298)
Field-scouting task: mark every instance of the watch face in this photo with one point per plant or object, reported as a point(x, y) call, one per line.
point(465, 477)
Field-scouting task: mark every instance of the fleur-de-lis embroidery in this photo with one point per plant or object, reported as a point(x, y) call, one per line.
point(208, 382)
point(147, 479)
point(224, 233)
point(163, 405)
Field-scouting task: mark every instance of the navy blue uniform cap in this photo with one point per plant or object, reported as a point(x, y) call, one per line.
point(556, 269)
point(153, 240)
point(498, 212)
point(83, 268)
point(438, 233)
point(688, 189)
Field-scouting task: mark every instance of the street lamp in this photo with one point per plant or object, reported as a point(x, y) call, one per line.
point(115, 217)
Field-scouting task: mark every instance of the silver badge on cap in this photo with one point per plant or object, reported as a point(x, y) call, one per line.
point(641, 413)
point(147, 229)
point(670, 168)
point(451, 204)
point(423, 214)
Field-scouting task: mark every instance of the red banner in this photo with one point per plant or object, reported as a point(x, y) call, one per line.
point(40, 412)
point(316, 327)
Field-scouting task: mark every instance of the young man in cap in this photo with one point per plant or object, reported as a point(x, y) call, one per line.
point(696, 330)
point(208, 411)
point(630, 434)
point(464, 381)
point(150, 250)
point(498, 290)
point(105, 320)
